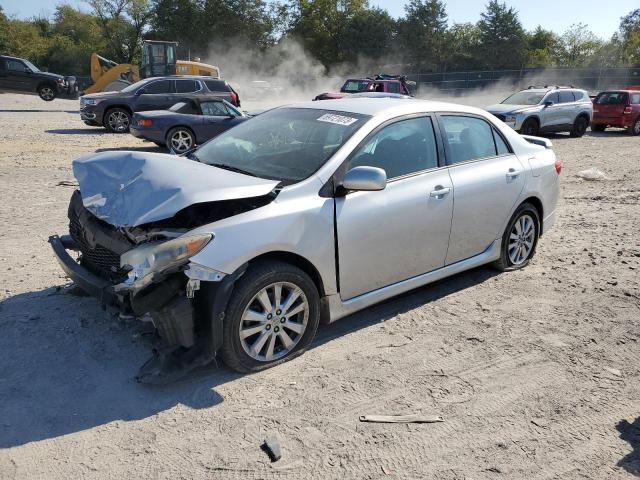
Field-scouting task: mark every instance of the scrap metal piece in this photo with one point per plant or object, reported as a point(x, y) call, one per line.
point(170, 365)
point(271, 447)
point(401, 418)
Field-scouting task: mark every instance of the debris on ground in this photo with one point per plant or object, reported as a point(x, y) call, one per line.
point(592, 174)
point(272, 448)
point(67, 183)
point(401, 418)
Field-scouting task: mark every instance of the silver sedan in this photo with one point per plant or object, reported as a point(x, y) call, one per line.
point(304, 214)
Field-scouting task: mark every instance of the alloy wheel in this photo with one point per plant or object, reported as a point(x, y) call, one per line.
point(181, 141)
point(46, 93)
point(118, 121)
point(274, 321)
point(521, 239)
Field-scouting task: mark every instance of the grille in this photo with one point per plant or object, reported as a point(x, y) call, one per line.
point(98, 259)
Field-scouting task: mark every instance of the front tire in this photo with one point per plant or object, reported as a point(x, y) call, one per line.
point(117, 120)
point(47, 93)
point(530, 127)
point(272, 317)
point(579, 126)
point(520, 239)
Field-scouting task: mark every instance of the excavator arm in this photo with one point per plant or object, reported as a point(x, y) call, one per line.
point(108, 75)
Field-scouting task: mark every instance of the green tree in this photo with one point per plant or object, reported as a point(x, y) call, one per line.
point(578, 46)
point(463, 40)
point(368, 33)
point(422, 34)
point(542, 46)
point(502, 38)
point(629, 37)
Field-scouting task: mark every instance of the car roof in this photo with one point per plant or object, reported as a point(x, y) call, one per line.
point(379, 106)
point(187, 77)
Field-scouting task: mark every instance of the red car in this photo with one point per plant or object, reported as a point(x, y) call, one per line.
point(617, 108)
point(380, 83)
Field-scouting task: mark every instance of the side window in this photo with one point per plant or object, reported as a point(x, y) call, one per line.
point(214, 109)
point(552, 97)
point(186, 86)
point(578, 95)
point(469, 138)
point(16, 66)
point(404, 147)
point(501, 146)
point(635, 98)
point(216, 85)
point(566, 97)
point(161, 86)
point(393, 87)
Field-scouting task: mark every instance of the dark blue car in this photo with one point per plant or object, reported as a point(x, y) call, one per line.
point(186, 124)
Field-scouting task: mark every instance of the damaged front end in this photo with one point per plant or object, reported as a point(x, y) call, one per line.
point(143, 271)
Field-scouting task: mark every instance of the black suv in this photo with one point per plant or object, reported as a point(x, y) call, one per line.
point(113, 110)
point(22, 76)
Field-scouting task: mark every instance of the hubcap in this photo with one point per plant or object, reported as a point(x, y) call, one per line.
point(521, 239)
point(46, 93)
point(266, 335)
point(181, 141)
point(118, 121)
point(636, 128)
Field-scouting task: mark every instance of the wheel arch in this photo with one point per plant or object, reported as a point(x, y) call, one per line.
point(187, 127)
point(42, 83)
point(537, 203)
point(296, 260)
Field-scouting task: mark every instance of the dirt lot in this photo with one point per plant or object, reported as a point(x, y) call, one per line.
point(535, 372)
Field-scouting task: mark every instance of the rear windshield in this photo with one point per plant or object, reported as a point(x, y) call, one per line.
point(217, 85)
point(524, 98)
point(611, 98)
point(354, 86)
point(184, 107)
point(286, 144)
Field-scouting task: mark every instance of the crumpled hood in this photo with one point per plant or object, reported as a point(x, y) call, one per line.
point(505, 108)
point(127, 189)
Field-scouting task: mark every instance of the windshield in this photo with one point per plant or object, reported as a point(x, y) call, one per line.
point(133, 87)
point(287, 144)
point(31, 66)
point(525, 98)
point(354, 86)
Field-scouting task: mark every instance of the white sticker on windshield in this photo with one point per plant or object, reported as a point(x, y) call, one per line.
point(337, 119)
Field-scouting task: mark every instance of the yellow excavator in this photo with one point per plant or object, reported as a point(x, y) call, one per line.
point(158, 60)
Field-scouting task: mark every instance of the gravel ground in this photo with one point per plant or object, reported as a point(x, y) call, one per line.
point(536, 372)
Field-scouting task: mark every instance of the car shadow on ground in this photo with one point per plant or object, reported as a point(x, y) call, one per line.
point(148, 148)
point(630, 432)
point(67, 366)
point(78, 131)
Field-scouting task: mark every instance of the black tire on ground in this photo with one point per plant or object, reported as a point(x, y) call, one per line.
point(505, 262)
point(580, 126)
point(180, 140)
point(47, 92)
point(598, 128)
point(530, 127)
point(635, 129)
point(261, 276)
point(117, 120)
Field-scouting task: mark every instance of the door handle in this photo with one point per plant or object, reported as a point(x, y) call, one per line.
point(440, 192)
point(513, 173)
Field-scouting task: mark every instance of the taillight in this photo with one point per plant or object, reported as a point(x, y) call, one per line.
point(628, 110)
point(234, 99)
point(558, 166)
point(145, 122)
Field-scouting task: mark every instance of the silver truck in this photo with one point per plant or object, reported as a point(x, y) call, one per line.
point(548, 109)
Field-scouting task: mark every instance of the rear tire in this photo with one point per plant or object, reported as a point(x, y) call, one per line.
point(47, 92)
point(580, 126)
point(530, 127)
point(598, 128)
point(520, 239)
point(635, 129)
point(117, 120)
point(258, 332)
point(180, 140)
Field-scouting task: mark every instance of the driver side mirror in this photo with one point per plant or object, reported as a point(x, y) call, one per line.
point(548, 103)
point(364, 179)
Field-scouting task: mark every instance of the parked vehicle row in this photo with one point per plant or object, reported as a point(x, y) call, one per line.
point(265, 230)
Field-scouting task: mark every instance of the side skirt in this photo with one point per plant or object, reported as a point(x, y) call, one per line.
point(339, 308)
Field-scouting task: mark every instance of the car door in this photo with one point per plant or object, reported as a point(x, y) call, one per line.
point(4, 75)
point(551, 116)
point(568, 107)
point(487, 180)
point(394, 234)
point(156, 95)
point(18, 78)
point(216, 118)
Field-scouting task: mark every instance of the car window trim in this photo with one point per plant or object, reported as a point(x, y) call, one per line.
point(341, 171)
point(493, 128)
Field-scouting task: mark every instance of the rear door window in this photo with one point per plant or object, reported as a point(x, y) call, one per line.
point(566, 97)
point(161, 86)
point(501, 146)
point(402, 148)
point(187, 86)
point(468, 138)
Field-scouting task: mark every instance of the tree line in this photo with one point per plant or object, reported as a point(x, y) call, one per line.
point(335, 32)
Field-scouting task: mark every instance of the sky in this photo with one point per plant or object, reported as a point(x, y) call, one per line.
point(602, 18)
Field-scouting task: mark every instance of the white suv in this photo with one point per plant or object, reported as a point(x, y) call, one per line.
point(546, 110)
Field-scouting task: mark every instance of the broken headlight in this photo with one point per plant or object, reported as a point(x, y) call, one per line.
point(156, 257)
